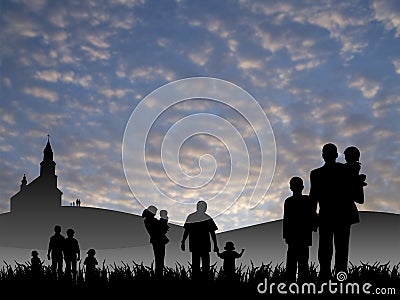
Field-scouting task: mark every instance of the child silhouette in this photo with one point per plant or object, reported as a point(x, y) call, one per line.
point(164, 227)
point(299, 221)
point(353, 165)
point(229, 256)
point(36, 265)
point(71, 254)
point(355, 182)
point(90, 262)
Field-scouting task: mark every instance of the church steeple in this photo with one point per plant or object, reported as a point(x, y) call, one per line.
point(48, 152)
point(48, 166)
point(23, 182)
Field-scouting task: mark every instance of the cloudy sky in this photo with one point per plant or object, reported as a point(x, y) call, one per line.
point(321, 71)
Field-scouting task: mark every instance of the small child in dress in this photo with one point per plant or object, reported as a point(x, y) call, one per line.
point(229, 256)
point(90, 263)
point(164, 227)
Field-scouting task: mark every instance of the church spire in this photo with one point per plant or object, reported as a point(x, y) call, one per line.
point(23, 182)
point(48, 152)
point(48, 166)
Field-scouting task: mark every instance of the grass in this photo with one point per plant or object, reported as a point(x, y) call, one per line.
point(140, 279)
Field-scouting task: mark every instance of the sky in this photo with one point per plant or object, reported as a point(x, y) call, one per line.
point(319, 72)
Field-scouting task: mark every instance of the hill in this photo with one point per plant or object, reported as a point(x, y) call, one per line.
point(94, 227)
point(374, 239)
point(121, 237)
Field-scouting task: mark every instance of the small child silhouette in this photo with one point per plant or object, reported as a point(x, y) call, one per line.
point(164, 227)
point(90, 262)
point(36, 265)
point(229, 256)
point(299, 221)
point(353, 165)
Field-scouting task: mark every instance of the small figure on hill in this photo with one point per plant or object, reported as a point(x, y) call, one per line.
point(229, 256)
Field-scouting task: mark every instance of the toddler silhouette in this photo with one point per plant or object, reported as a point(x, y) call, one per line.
point(352, 157)
point(164, 227)
point(90, 262)
point(229, 256)
point(36, 265)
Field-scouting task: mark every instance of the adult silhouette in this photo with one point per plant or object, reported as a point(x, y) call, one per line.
point(157, 238)
point(331, 189)
point(199, 226)
point(71, 254)
point(55, 251)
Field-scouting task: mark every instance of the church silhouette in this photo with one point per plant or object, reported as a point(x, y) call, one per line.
point(42, 194)
point(37, 207)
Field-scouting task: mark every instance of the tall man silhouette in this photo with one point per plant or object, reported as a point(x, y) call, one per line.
point(199, 226)
point(330, 189)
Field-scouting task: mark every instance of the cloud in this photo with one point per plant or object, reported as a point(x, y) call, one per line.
point(367, 87)
point(118, 93)
point(97, 41)
point(388, 12)
point(321, 71)
point(396, 63)
point(41, 93)
point(128, 3)
point(95, 55)
point(151, 73)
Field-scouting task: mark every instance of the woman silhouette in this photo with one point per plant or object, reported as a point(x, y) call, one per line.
point(157, 240)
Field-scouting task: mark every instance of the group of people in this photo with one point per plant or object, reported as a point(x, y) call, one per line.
point(77, 202)
point(334, 188)
point(65, 249)
point(199, 227)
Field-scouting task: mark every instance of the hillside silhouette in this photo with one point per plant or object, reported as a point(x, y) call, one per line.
point(374, 239)
point(95, 228)
point(122, 237)
point(117, 236)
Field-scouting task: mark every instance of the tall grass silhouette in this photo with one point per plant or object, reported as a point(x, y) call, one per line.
point(139, 278)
